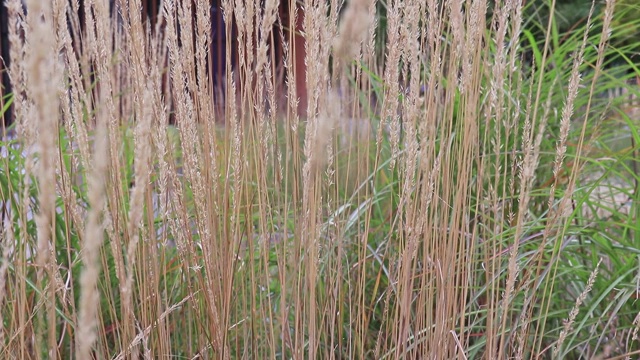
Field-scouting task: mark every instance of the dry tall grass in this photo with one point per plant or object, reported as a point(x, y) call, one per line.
point(258, 233)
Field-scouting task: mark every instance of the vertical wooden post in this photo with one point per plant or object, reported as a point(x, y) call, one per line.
point(218, 51)
point(293, 34)
point(145, 9)
point(5, 87)
point(300, 68)
point(154, 12)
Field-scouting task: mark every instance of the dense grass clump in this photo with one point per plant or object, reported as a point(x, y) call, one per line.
point(452, 181)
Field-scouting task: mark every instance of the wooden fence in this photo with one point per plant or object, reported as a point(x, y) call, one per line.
point(150, 10)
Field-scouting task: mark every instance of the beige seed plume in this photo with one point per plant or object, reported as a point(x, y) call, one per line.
point(353, 29)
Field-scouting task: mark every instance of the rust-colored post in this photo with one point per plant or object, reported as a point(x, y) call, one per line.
point(300, 68)
point(4, 59)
